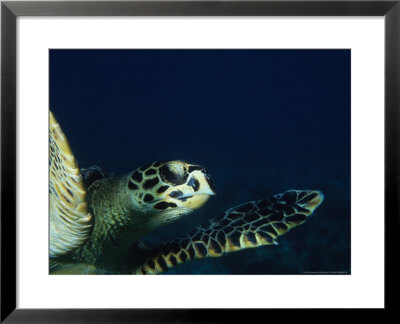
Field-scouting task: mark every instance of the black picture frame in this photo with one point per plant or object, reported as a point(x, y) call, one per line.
point(10, 10)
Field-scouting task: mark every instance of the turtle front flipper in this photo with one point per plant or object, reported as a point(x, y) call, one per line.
point(70, 220)
point(248, 225)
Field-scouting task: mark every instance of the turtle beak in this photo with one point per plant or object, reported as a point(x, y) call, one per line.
point(211, 187)
point(202, 188)
point(198, 188)
point(201, 182)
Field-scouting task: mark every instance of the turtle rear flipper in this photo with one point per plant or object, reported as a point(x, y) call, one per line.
point(70, 220)
point(62, 268)
point(248, 225)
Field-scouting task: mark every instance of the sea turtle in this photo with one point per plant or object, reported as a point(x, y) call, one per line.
point(97, 220)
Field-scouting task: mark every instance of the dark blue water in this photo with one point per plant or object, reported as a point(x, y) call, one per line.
point(260, 121)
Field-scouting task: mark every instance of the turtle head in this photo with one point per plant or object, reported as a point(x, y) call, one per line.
point(168, 190)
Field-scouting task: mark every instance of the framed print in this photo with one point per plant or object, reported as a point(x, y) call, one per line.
point(164, 192)
point(207, 142)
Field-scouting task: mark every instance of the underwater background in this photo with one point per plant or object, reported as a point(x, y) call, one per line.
point(260, 121)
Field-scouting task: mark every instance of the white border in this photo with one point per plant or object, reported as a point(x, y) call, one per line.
point(364, 288)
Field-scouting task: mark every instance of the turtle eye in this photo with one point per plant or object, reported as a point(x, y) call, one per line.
point(174, 173)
